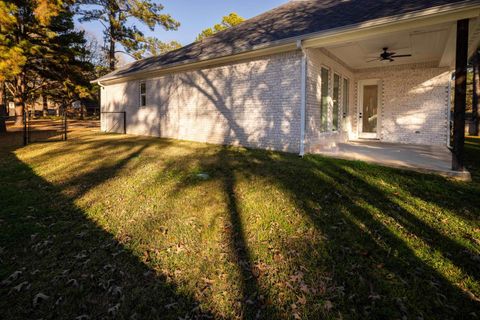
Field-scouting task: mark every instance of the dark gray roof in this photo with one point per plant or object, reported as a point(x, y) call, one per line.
point(293, 19)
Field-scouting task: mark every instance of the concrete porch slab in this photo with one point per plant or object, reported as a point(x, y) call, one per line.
point(420, 158)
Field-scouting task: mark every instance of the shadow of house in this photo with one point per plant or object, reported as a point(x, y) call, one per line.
point(65, 266)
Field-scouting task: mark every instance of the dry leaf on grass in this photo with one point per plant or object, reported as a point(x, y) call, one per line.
point(39, 297)
point(19, 287)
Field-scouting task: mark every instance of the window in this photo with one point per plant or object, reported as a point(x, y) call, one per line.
point(325, 75)
point(346, 97)
point(143, 94)
point(336, 98)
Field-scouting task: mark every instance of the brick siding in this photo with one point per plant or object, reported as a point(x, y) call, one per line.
point(252, 103)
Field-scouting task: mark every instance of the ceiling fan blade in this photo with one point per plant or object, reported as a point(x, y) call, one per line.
point(401, 56)
point(376, 59)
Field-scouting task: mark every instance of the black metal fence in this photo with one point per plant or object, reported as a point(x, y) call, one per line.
point(27, 128)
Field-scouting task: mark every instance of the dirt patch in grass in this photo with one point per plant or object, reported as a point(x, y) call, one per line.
point(118, 226)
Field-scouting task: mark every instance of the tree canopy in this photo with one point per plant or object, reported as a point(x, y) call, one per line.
point(115, 16)
point(41, 51)
point(229, 21)
point(155, 47)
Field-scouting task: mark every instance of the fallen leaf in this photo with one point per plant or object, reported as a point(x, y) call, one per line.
point(19, 287)
point(328, 305)
point(38, 298)
point(14, 276)
point(114, 309)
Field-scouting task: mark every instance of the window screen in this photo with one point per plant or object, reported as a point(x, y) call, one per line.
point(143, 94)
point(325, 74)
point(336, 101)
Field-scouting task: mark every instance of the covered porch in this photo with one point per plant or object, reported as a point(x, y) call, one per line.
point(386, 96)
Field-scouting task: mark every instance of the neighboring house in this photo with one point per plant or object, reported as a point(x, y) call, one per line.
point(302, 78)
point(38, 108)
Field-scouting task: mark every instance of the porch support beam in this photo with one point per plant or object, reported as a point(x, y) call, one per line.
point(461, 57)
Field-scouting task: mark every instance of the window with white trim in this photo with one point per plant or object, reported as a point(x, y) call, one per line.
point(143, 94)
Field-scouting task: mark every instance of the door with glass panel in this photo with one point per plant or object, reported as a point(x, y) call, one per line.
point(368, 117)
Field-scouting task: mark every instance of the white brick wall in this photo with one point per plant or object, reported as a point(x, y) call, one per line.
point(257, 103)
point(414, 101)
point(254, 103)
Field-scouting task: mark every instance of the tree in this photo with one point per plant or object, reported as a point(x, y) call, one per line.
point(68, 70)
point(154, 47)
point(39, 46)
point(229, 21)
point(24, 35)
point(114, 15)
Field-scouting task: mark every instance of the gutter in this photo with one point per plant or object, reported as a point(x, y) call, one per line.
point(443, 13)
point(303, 100)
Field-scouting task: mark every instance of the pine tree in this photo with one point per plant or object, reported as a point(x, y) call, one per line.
point(154, 47)
point(229, 21)
point(114, 15)
point(38, 43)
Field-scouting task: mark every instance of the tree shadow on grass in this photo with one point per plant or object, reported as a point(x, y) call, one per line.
point(222, 166)
point(252, 296)
point(439, 191)
point(56, 263)
point(371, 261)
point(379, 273)
point(374, 269)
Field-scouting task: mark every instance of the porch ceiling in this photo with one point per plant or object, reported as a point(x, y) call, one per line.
point(433, 43)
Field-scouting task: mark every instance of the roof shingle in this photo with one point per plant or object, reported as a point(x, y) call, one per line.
point(293, 19)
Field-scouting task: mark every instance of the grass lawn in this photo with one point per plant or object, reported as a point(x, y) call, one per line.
point(108, 226)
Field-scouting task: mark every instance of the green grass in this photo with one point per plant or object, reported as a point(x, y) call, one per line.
point(113, 226)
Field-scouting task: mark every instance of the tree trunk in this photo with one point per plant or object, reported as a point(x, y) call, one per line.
point(44, 104)
point(82, 113)
point(3, 108)
point(111, 54)
point(111, 40)
point(476, 93)
point(19, 100)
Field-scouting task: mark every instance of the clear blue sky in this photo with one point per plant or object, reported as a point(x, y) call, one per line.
point(194, 16)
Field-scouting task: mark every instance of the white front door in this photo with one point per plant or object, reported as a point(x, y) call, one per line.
point(368, 117)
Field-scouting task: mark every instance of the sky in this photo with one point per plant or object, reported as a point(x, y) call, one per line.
point(194, 16)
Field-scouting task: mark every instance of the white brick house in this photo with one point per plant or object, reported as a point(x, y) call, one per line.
point(302, 78)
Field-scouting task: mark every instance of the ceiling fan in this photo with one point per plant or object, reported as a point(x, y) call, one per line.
point(386, 56)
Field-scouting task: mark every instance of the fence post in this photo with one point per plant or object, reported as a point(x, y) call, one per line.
point(29, 126)
point(65, 125)
point(25, 141)
point(124, 122)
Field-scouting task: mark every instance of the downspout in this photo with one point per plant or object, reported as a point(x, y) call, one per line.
point(449, 112)
point(303, 99)
point(102, 87)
